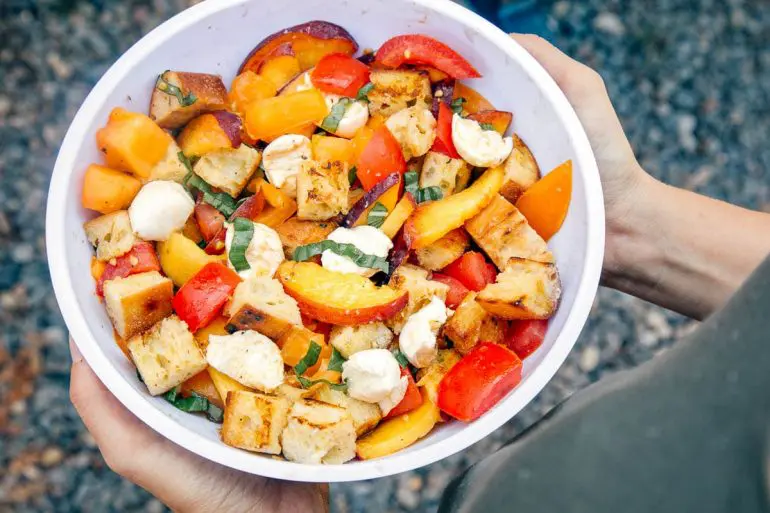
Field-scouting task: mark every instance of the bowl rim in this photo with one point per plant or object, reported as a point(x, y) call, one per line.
point(134, 401)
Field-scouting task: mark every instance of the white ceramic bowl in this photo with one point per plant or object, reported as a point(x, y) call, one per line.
point(214, 37)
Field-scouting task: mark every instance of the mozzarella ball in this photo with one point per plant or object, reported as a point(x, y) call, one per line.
point(160, 209)
point(249, 357)
point(368, 239)
point(418, 336)
point(479, 147)
point(282, 159)
point(373, 376)
point(356, 115)
point(415, 130)
point(264, 253)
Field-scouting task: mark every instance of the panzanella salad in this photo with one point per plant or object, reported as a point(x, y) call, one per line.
point(334, 255)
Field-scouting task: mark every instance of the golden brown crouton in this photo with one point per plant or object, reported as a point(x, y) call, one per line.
point(464, 327)
point(200, 93)
point(228, 169)
point(365, 415)
point(349, 340)
point(170, 168)
point(430, 377)
point(525, 290)
point(255, 421)
point(421, 290)
point(295, 233)
point(111, 235)
point(318, 433)
point(521, 171)
point(415, 130)
point(444, 251)
point(322, 190)
point(261, 304)
point(439, 170)
point(395, 90)
point(137, 302)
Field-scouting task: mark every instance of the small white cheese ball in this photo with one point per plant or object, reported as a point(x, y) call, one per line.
point(249, 357)
point(418, 336)
point(479, 147)
point(368, 239)
point(282, 159)
point(415, 130)
point(356, 115)
point(374, 376)
point(264, 253)
point(160, 209)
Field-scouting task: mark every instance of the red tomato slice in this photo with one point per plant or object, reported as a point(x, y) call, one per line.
point(412, 399)
point(457, 291)
point(210, 220)
point(140, 259)
point(525, 337)
point(216, 245)
point(478, 381)
point(202, 298)
point(341, 74)
point(381, 157)
point(443, 142)
point(472, 271)
point(420, 49)
point(251, 207)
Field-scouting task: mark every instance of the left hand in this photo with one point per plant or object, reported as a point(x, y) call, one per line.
point(180, 479)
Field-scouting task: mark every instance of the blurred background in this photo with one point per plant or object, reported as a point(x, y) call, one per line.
point(690, 79)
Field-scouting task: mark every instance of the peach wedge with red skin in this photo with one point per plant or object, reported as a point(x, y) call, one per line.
point(337, 298)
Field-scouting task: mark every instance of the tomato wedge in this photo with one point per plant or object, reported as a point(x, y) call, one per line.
point(341, 74)
point(202, 298)
point(140, 259)
point(251, 207)
point(525, 337)
point(210, 220)
point(478, 381)
point(545, 204)
point(457, 291)
point(421, 49)
point(412, 399)
point(380, 157)
point(472, 270)
point(443, 142)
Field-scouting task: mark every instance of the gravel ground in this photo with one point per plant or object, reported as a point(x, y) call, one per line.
point(688, 77)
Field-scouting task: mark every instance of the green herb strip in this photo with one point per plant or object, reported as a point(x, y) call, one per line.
point(457, 105)
point(244, 232)
point(358, 257)
point(489, 127)
point(219, 200)
point(363, 93)
point(167, 87)
point(352, 175)
point(377, 215)
point(431, 193)
point(307, 383)
point(332, 122)
point(410, 183)
point(310, 359)
point(336, 361)
point(195, 403)
point(401, 358)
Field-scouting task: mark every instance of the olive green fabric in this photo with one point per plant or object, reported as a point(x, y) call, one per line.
point(686, 432)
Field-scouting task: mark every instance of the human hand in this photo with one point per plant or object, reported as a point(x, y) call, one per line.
point(180, 479)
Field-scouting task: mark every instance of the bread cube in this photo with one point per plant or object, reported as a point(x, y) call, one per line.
point(429, 377)
point(203, 93)
point(521, 171)
point(395, 90)
point(318, 433)
point(295, 233)
point(137, 302)
point(166, 355)
point(111, 235)
point(255, 421)
point(322, 190)
point(228, 169)
point(415, 130)
point(444, 251)
point(349, 340)
point(421, 290)
point(439, 170)
point(365, 415)
point(504, 233)
point(261, 304)
point(464, 326)
point(525, 290)
point(170, 168)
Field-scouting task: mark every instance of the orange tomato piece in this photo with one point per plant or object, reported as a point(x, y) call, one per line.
point(546, 203)
point(328, 149)
point(249, 87)
point(280, 70)
point(107, 190)
point(203, 135)
point(202, 385)
point(474, 101)
point(281, 115)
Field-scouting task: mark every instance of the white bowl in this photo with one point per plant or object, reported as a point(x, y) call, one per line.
point(214, 37)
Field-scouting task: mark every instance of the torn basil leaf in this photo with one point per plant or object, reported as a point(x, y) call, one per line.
point(411, 186)
point(332, 121)
point(350, 251)
point(457, 105)
point(363, 93)
point(352, 175)
point(164, 86)
point(307, 383)
point(400, 358)
point(243, 233)
point(487, 126)
point(194, 403)
point(219, 200)
point(336, 361)
point(310, 359)
point(377, 215)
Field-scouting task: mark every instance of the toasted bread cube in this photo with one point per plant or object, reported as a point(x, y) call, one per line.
point(295, 233)
point(464, 326)
point(202, 91)
point(525, 290)
point(439, 170)
point(504, 233)
point(365, 415)
point(421, 290)
point(349, 340)
point(395, 90)
point(111, 235)
point(463, 178)
point(292, 390)
point(228, 169)
point(255, 421)
point(137, 302)
point(415, 130)
point(322, 190)
point(166, 355)
point(318, 433)
point(444, 251)
point(170, 168)
point(429, 377)
point(261, 304)
point(521, 171)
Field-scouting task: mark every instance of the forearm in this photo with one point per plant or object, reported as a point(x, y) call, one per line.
point(683, 251)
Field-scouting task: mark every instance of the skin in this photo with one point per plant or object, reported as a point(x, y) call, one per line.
point(663, 245)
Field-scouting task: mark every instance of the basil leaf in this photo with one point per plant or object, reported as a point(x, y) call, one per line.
point(410, 183)
point(332, 121)
point(363, 93)
point(164, 86)
point(310, 359)
point(219, 200)
point(243, 233)
point(352, 175)
point(336, 361)
point(457, 105)
point(358, 257)
point(307, 383)
point(195, 403)
point(172, 394)
point(487, 126)
point(202, 244)
point(431, 193)
point(377, 215)
point(400, 358)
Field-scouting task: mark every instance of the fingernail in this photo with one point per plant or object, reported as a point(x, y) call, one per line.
point(75, 352)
